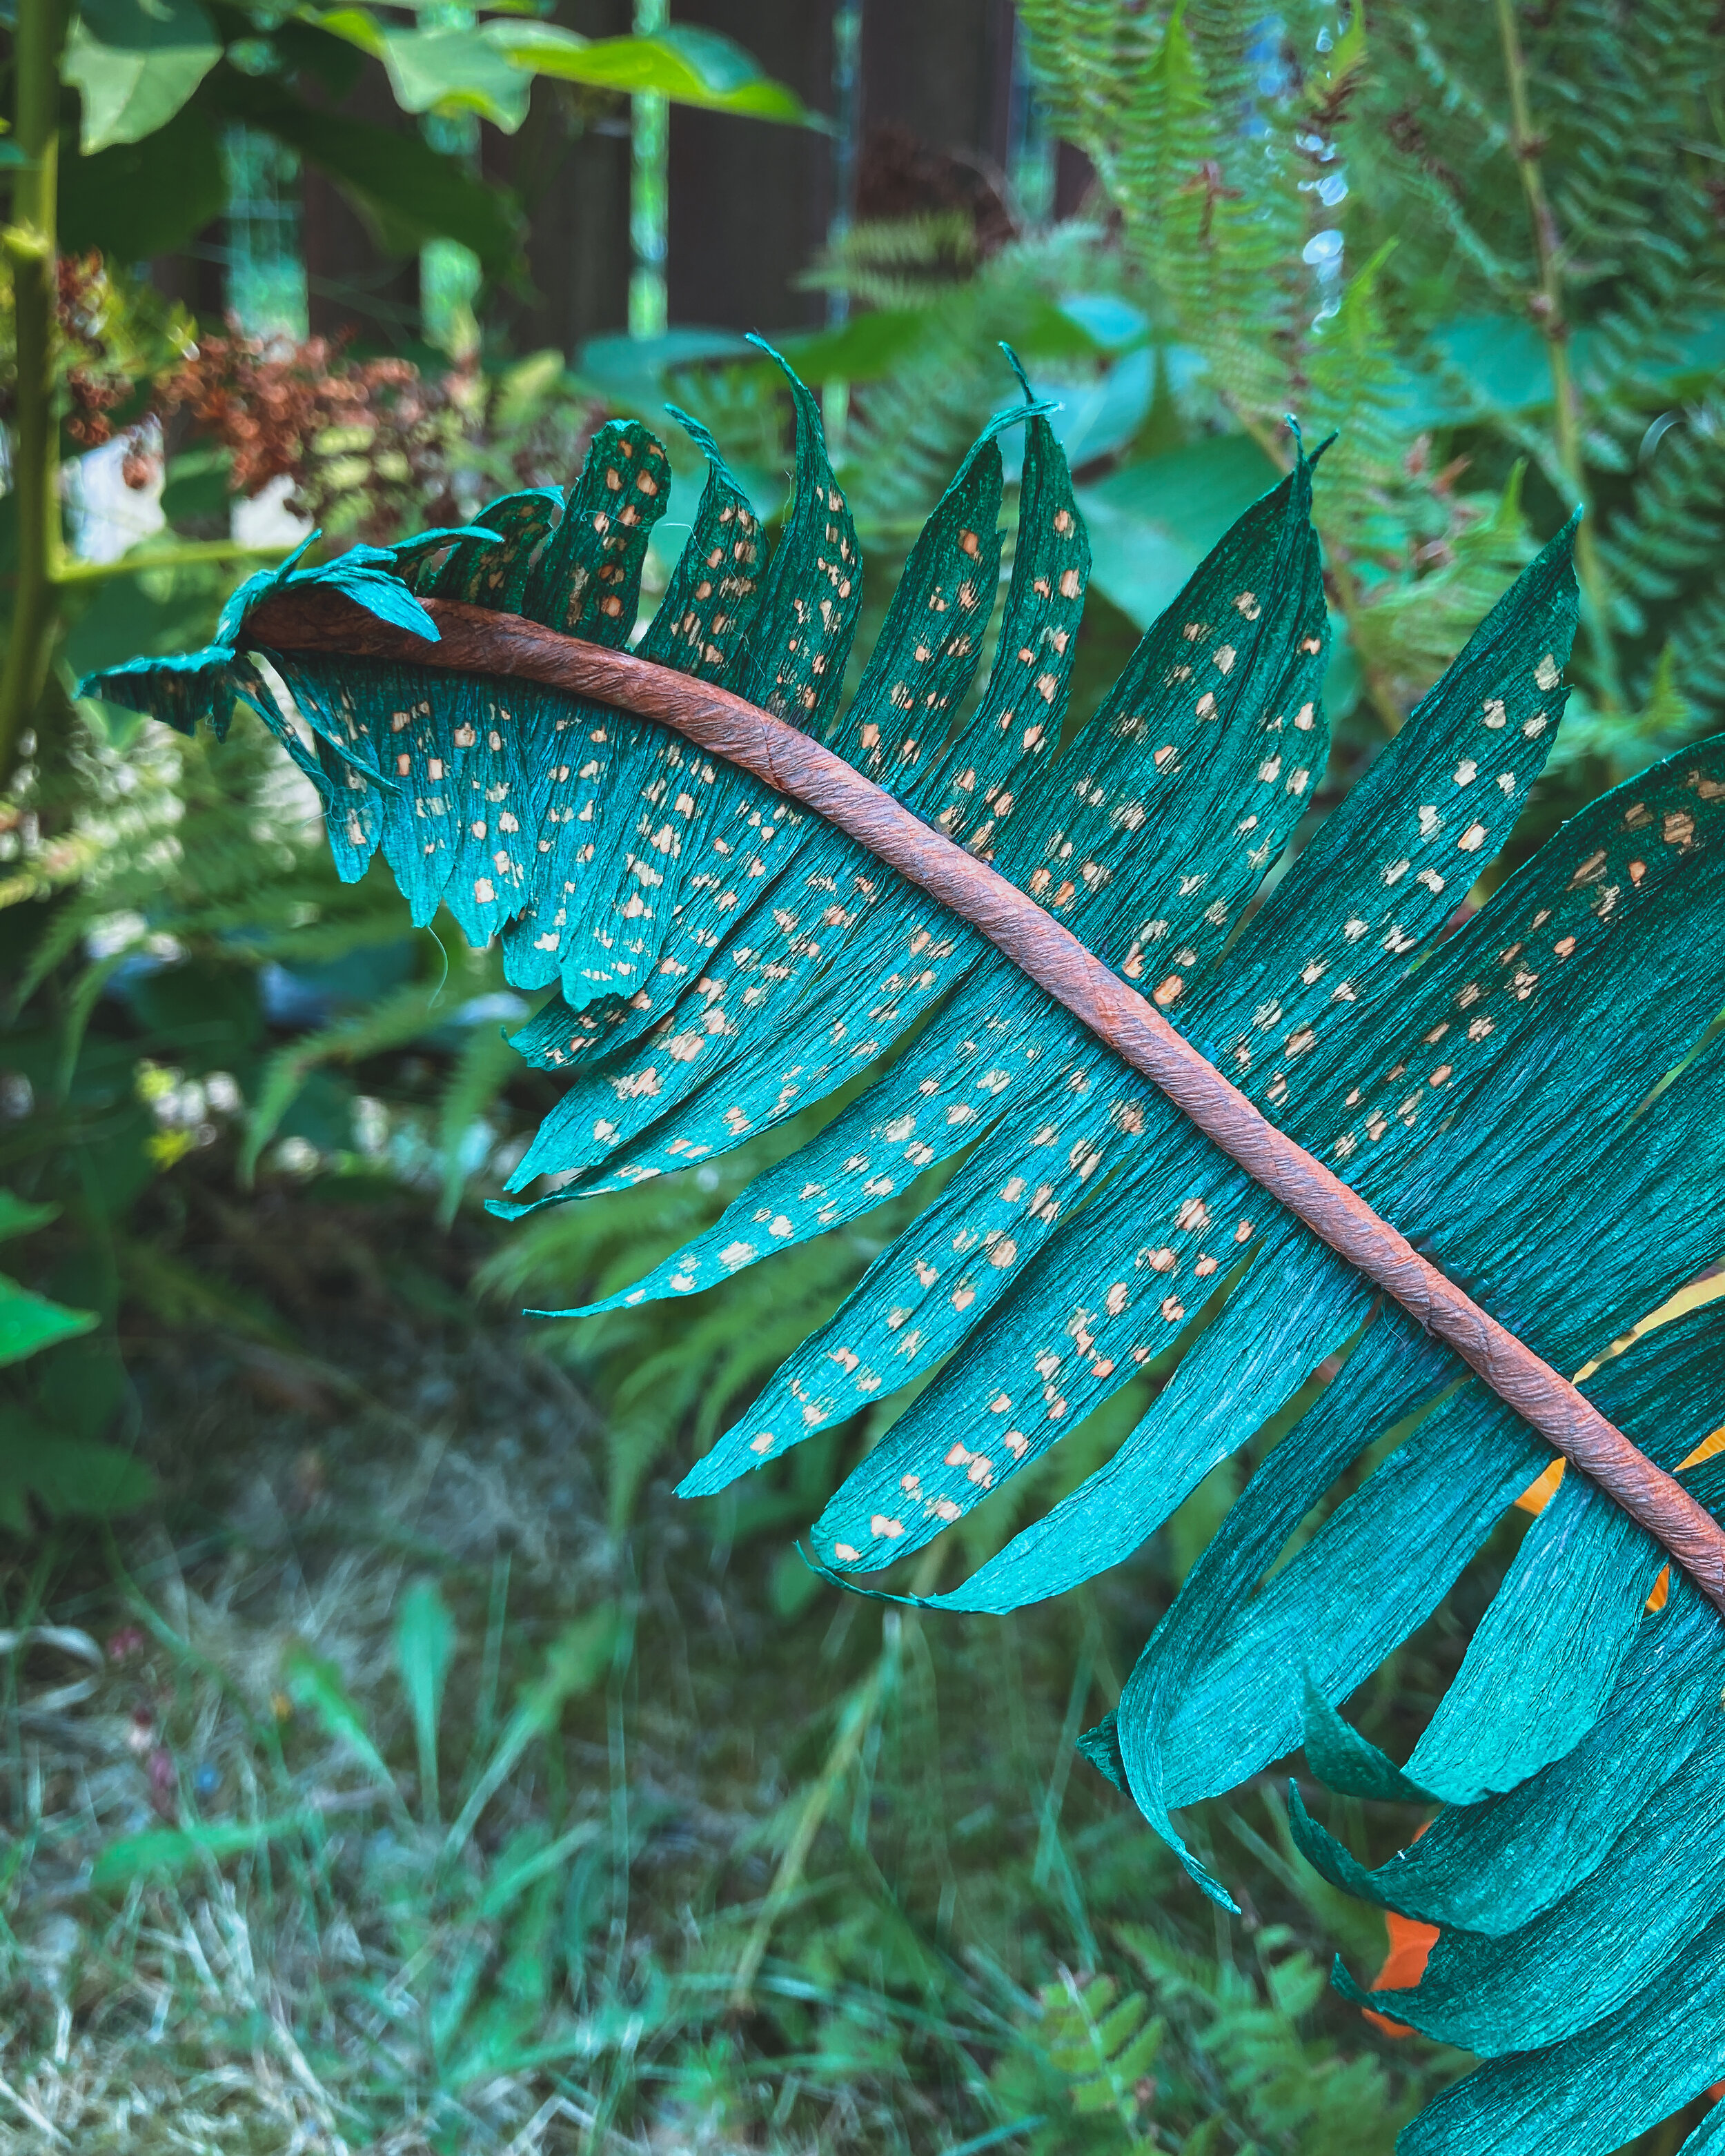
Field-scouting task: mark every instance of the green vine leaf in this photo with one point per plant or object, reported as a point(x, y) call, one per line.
point(488, 68)
point(685, 64)
point(30, 1322)
point(135, 63)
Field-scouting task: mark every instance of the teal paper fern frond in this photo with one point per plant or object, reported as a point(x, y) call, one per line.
point(1531, 1096)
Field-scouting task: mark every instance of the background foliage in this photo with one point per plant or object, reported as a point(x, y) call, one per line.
point(388, 1763)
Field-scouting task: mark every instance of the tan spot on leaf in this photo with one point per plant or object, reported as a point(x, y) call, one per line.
point(1589, 870)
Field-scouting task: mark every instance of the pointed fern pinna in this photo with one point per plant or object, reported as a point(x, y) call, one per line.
point(1530, 1100)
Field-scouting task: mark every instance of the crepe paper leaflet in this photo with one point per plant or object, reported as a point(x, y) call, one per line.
point(474, 640)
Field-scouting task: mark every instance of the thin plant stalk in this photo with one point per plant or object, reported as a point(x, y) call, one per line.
point(855, 1719)
point(29, 246)
point(1547, 311)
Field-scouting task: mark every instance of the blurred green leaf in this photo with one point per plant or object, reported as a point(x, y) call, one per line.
point(1110, 323)
point(866, 346)
point(488, 68)
point(454, 70)
point(1099, 416)
point(685, 64)
point(528, 1858)
point(181, 1849)
point(68, 1477)
point(137, 199)
point(1151, 524)
point(314, 1686)
point(30, 1321)
point(408, 192)
point(135, 63)
point(19, 1218)
point(793, 1584)
point(198, 485)
point(579, 1658)
point(424, 1648)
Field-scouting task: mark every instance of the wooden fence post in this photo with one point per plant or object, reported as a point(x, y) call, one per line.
point(569, 165)
point(350, 283)
point(943, 70)
point(751, 202)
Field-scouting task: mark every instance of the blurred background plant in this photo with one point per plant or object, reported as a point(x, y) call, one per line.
point(342, 1552)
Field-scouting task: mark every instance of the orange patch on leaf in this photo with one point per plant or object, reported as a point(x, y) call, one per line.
point(1410, 1945)
point(1540, 1491)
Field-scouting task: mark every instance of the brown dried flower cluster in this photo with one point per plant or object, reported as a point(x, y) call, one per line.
point(372, 448)
point(95, 382)
point(366, 443)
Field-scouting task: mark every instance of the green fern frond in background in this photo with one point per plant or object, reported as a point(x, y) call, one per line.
point(1444, 221)
point(1104, 2045)
point(902, 262)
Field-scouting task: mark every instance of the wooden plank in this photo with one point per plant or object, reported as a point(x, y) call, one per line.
point(569, 164)
point(751, 202)
point(351, 285)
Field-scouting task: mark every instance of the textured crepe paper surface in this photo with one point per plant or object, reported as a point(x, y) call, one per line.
point(1540, 1491)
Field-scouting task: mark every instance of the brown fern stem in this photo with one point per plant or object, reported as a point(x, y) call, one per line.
point(477, 641)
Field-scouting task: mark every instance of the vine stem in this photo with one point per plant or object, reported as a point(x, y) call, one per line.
point(1548, 311)
point(28, 243)
point(194, 553)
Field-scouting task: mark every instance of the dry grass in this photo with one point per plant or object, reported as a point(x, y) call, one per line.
point(324, 1959)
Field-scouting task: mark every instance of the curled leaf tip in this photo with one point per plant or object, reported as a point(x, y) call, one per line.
point(1018, 368)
